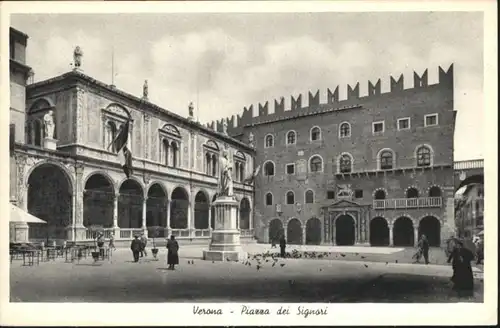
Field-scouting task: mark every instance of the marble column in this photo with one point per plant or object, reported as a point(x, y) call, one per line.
point(76, 230)
point(285, 231)
point(167, 228)
point(391, 235)
point(144, 209)
point(304, 234)
point(415, 235)
point(115, 210)
point(333, 230)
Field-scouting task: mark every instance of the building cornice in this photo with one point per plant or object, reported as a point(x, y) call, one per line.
point(142, 104)
point(15, 65)
point(18, 35)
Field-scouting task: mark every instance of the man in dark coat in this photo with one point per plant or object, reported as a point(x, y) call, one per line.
point(136, 247)
point(423, 244)
point(173, 253)
point(463, 278)
point(282, 246)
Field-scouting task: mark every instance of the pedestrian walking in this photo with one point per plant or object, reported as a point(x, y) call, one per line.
point(112, 241)
point(423, 245)
point(173, 253)
point(463, 278)
point(136, 247)
point(100, 244)
point(144, 243)
point(282, 246)
point(479, 243)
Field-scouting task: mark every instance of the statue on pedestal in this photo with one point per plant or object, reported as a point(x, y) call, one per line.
point(226, 179)
point(145, 90)
point(77, 57)
point(48, 120)
point(224, 126)
point(191, 109)
point(251, 139)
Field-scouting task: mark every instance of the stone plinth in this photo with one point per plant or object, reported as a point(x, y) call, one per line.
point(19, 232)
point(49, 143)
point(225, 244)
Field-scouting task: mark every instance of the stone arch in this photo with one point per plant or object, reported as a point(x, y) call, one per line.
point(315, 161)
point(212, 144)
point(379, 194)
point(294, 231)
point(403, 233)
point(67, 174)
point(435, 191)
point(379, 232)
point(412, 192)
point(245, 209)
point(119, 110)
point(430, 226)
point(201, 210)
point(313, 231)
point(476, 178)
point(172, 129)
point(345, 230)
point(275, 230)
point(98, 200)
point(269, 168)
point(50, 197)
point(41, 104)
point(130, 204)
point(212, 212)
point(156, 208)
point(381, 164)
point(179, 207)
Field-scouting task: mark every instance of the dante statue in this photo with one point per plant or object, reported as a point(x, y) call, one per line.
point(48, 120)
point(226, 179)
point(77, 56)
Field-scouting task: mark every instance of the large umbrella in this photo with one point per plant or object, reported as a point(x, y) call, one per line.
point(19, 215)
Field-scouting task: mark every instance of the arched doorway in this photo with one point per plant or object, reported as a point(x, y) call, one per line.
point(212, 213)
point(275, 230)
point(98, 201)
point(294, 232)
point(130, 205)
point(313, 231)
point(345, 230)
point(245, 214)
point(431, 228)
point(179, 207)
point(379, 232)
point(201, 210)
point(50, 199)
point(403, 232)
point(156, 210)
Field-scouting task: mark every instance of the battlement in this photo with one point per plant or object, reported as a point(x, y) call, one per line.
point(333, 102)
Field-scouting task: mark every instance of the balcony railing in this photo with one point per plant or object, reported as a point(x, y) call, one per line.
point(395, 203)
point(128, 233)
point(246, 233)
point(91, 235)
point(470, 164)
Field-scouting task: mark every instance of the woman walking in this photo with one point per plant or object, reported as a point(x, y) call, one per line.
point(173, 253)
point(463, 279)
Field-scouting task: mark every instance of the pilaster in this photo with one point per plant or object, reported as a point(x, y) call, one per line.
point(391, 234)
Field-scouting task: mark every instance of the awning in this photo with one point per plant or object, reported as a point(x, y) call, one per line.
point(19, 215)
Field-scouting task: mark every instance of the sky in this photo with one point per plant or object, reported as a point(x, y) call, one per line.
point(224, 62)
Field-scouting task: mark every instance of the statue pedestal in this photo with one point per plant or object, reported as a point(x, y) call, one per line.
point(49, 143)
point(225, 244)
point(19, 232)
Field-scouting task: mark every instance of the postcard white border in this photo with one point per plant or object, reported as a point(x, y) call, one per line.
point(345, 314)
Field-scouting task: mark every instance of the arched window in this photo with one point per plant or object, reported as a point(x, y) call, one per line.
point(435, 192)
point(412, 193)
point(215, 166)
point(291, 138)
point(423, 156)
point(269, 141)
point(380, 194)
point(175, 154)
point(345, 130)
point(309, 197)
point(386, 160)
point(165, 151)
point(290, 198)
point(269, 169)
point(345, 163)
point(269, 199)
point(29, 133)
point(316, 164)
point(315, 133)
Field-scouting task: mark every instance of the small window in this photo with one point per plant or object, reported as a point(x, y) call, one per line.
point(404, 124)
point(290, 198)
point(290, 169)
point(345, 130)
point(269, 199)
point(431, 120)
point(309, 197)
point(290, 138)
point(269, 142)
point(330, 194)
point(358, 193)
point(315, 134)
point(269, 169)
point(378, 127)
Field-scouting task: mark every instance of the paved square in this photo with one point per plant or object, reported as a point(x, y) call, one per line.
point(289, 280)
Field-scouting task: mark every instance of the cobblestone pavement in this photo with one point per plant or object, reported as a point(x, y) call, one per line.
point(119, 279)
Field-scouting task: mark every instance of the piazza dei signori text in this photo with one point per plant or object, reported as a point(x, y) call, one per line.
point(374, 169)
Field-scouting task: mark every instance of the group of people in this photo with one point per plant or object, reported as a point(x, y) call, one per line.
point(139, 244)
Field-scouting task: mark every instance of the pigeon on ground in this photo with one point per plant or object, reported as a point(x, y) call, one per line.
point(320, 269)
point(386, 263)
point(189, 262)
point(366, 266)
point(213, 261)
point(396, 261)
point(343, 255)
point(282, 264)
point(356, 254)
point(258, 267)
point(274, 264)
point(363, 257)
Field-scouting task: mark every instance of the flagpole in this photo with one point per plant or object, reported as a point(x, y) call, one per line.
point(113, 66)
